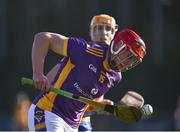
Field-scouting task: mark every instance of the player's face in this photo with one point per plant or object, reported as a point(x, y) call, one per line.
point(102, 34)
point(122, 58)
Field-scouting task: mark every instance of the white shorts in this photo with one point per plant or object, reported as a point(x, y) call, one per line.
point(42, 120)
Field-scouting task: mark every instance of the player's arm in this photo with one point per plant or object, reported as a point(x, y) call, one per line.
point(102, 100)
point(42, 43)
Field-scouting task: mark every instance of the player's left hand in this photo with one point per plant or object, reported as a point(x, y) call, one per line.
point(107, 101)
point(104, 101)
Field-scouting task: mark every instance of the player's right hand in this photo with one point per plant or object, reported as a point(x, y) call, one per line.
point(41, 81)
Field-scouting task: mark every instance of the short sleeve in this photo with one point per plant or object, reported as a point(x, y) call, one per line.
point(76, 49)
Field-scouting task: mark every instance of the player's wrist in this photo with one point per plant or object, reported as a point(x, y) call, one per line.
point(107, 101)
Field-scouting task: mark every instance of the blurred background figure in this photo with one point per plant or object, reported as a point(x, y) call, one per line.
point(177, 115)
point(21, 106)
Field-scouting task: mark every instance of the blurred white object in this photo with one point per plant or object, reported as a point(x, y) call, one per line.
point(147, 110)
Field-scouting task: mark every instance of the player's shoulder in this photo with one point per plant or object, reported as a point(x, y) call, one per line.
point(78, 40)
point(99, 47)
point(86, 43)
point(89, 47)
point(98, 50)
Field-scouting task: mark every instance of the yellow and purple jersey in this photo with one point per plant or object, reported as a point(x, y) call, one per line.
point(83, 72)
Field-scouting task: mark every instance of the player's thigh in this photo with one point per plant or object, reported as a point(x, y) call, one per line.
point(31, 118)
point(56, 123)
point(36, 119)
point(39, 119)
point(85, 126)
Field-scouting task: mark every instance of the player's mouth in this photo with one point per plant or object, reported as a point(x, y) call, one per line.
point(103, 39)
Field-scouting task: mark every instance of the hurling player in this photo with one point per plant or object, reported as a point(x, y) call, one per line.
point(88, 69)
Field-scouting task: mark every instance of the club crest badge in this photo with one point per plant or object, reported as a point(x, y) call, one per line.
point(94, 91)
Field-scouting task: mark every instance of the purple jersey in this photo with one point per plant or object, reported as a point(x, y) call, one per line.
point(83, 72)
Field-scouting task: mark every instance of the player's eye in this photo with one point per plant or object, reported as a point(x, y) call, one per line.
point(108, 28)
point(103, 27)
point(100, 27)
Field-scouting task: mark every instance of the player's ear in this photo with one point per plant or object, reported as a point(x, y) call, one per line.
point(90, 32)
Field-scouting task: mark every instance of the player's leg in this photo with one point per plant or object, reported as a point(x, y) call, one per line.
point(40, 120)
point(56, 123)
point(31, 118)
point(36, 119)
point(85, 125)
